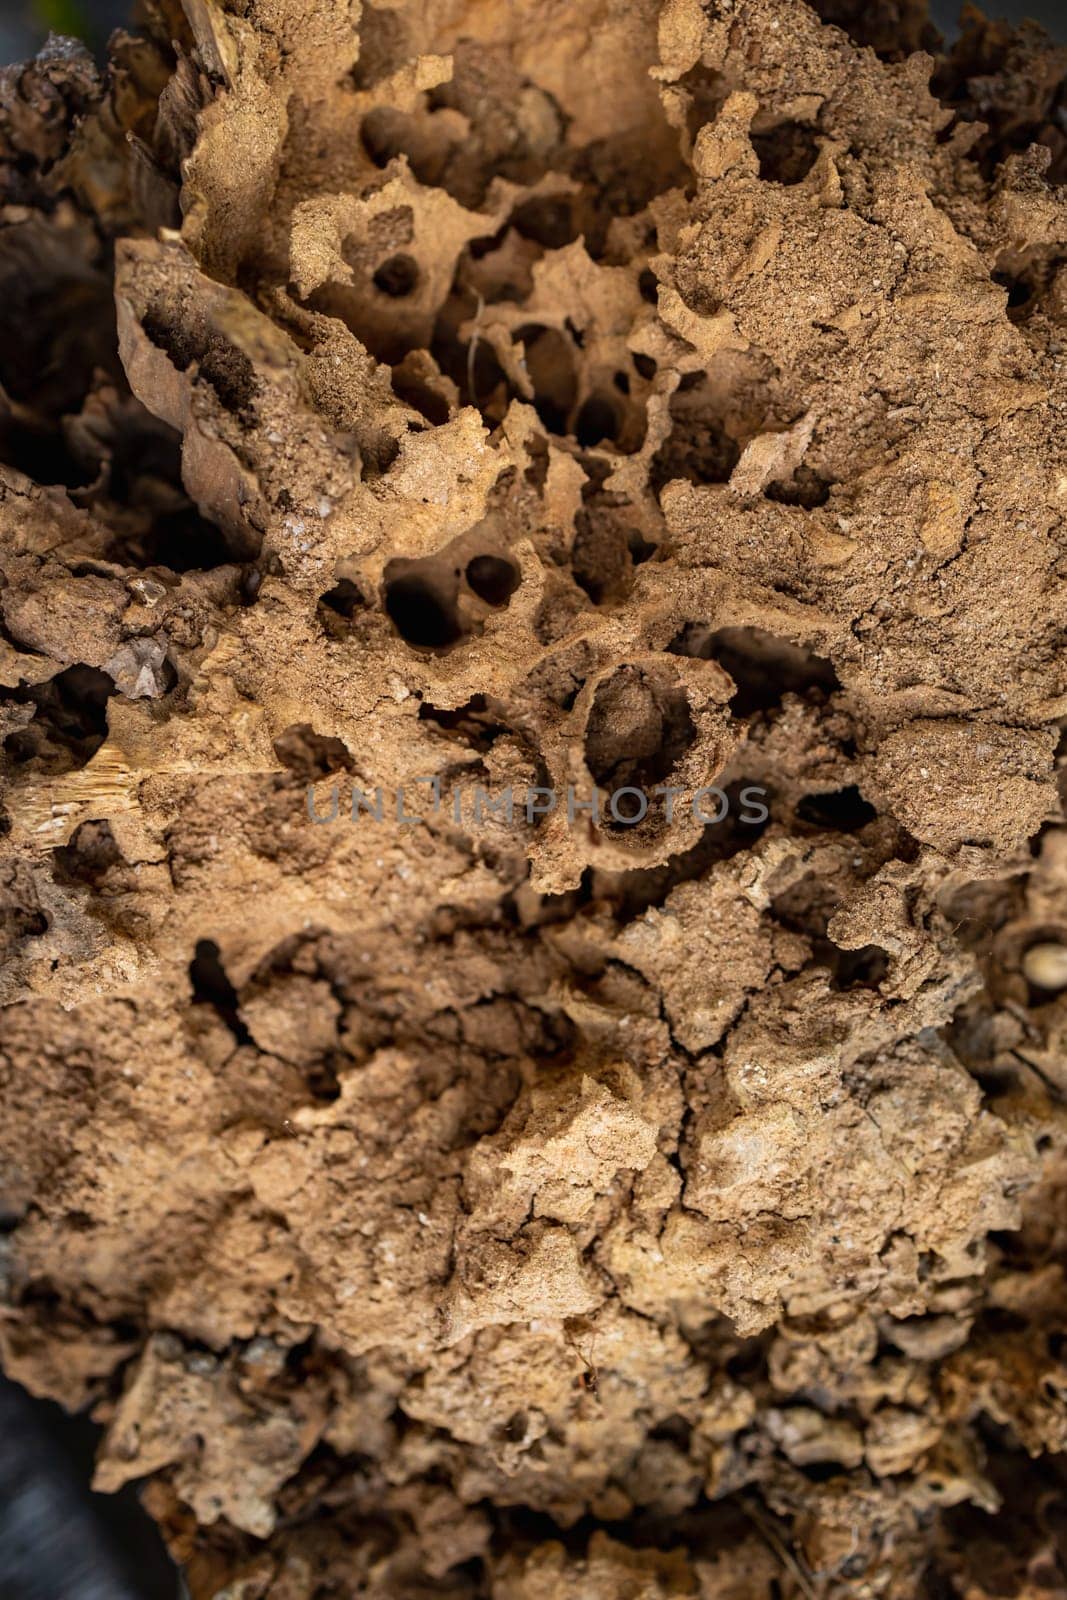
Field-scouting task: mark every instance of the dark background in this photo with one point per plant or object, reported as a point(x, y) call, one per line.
point(58, 1541)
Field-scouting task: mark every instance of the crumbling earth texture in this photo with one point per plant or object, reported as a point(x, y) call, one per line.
point(532, 393)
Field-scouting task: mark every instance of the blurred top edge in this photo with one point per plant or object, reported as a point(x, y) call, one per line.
point(28, 22)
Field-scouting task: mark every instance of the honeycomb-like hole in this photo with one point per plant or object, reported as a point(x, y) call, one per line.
point(493, 579)
point(421, 602)
point(764, 666)
point(638, 730)
point(398, 276)
point(786, 153)
point(69, 722)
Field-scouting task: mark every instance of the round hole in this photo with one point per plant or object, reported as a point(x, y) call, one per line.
point(420, 613)
point(596, 421)
point(344, 599)
point(493, 579)
point(648, 285)
point(1019, 291)
point(397, 277)
point(841, 810)
point(786, 153)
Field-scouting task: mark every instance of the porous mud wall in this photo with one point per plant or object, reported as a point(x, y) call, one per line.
point(523, 398)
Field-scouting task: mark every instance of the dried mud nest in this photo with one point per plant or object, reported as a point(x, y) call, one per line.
point(531, 396)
